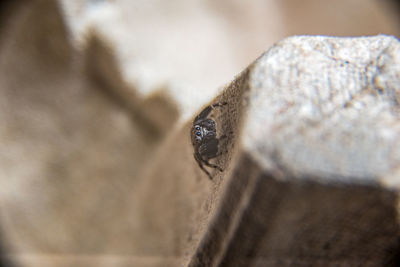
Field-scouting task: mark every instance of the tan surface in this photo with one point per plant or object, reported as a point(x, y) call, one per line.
point(96, 173)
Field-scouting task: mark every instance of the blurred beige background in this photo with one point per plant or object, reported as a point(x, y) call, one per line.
point(73, 151)
point(198, 46)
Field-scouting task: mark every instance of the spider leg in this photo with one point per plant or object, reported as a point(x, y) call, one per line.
point(222, 152)
point(225, 136)
point(204, 170)
point(212, 165)
point(199, 161)
point(219, 104)
point(222, 137)
point(208, 109)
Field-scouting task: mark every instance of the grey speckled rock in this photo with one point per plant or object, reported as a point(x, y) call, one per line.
point(313, 180)
point(328, 107)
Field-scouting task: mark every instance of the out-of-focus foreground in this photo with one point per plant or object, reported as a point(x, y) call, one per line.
point(97, 100)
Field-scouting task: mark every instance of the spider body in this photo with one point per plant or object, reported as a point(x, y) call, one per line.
point(204, 138)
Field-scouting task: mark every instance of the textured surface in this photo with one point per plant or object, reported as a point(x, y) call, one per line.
point(320, 136)
point(328, 106)
point(95, 173)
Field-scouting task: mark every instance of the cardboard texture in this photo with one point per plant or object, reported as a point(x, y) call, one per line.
point(94, 173)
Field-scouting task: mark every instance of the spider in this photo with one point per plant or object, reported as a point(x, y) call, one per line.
point(204, 138)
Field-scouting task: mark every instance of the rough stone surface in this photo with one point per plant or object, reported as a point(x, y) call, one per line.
point(329, 106)
point(94, 173)
point(316, 182)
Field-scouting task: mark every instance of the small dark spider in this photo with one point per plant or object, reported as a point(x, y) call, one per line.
point(204, 138)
